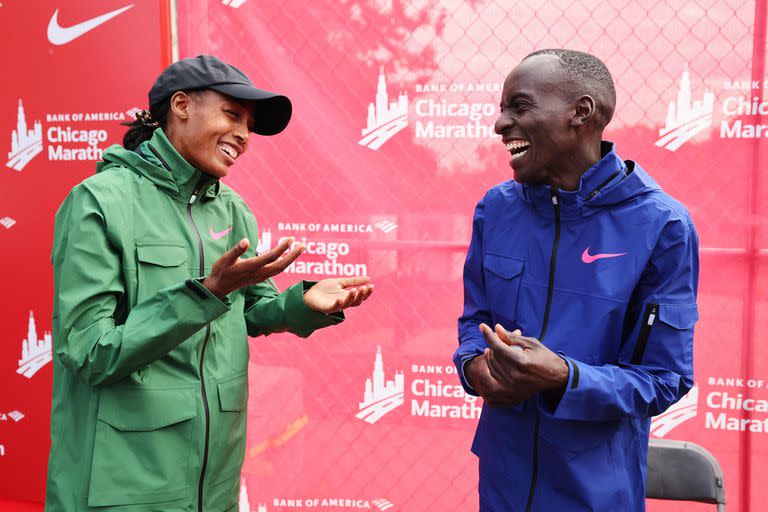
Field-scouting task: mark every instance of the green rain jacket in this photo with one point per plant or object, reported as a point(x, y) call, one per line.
point(150, 369)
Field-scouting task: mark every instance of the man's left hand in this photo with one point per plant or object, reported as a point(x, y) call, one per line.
point(524, 362)
point(334, 295)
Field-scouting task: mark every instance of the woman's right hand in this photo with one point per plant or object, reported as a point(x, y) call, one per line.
point(231, 273)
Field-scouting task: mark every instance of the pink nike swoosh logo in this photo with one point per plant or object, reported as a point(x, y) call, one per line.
point(591, 258)
point(220, 234)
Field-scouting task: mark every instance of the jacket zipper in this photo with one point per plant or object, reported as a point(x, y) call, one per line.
point(545, 324)
point(651, 311)
point(604, 183)
point(192, 199)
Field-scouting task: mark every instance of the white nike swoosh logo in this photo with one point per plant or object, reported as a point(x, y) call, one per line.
point(59, 35)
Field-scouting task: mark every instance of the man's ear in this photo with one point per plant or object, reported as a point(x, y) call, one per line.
point(180, 102)
point(584, 111)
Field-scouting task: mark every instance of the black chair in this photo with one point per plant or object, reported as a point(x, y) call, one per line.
point(683, 471)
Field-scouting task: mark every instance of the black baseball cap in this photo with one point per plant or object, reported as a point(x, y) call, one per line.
point(272, 111)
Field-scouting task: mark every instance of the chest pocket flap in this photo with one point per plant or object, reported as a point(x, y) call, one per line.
point(503, 266)
point(161, 254)
point(502, 286)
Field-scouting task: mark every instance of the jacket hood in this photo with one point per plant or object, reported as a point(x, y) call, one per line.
point(609, 181)
point(158, 161)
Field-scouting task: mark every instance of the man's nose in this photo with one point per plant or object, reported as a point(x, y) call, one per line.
point(502, 123)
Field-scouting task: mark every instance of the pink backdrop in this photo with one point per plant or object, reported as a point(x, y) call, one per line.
point(389, 149)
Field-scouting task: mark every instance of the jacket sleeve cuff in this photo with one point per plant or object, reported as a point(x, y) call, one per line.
point(461, 357)
point(199, 289)
point(463, 378)
point(550, 404)
point(304, 321)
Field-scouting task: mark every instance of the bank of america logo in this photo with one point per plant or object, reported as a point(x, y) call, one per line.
point(685, 409)
point(386, 226)
point(16, 416)
point(383, 504)
point(686, 118)
point(385, 118)
point(7, 222)
point(35, 353)
point(25, 143)
point(381, 397)
point(265, 241)
point(245, 505)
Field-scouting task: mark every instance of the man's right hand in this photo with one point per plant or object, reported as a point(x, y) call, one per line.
point(231, 273)
point(478, 373)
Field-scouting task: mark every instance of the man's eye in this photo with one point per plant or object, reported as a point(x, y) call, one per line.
point(232, 113)
point(515, 107)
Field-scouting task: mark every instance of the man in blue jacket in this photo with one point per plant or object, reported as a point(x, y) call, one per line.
point(594, 270)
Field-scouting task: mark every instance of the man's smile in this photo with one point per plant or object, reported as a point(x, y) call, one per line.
point(517, 147)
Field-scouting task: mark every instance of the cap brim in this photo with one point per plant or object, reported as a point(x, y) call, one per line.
point(271, 111)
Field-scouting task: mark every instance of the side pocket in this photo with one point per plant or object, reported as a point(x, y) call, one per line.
point(673, 320)
point(142, 446)
point(502, 283)
point(577, 436)
point(228, 429)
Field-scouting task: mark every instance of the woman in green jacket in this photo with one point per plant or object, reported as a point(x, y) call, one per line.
point(157, 287)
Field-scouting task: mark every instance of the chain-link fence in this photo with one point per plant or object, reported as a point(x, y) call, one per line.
point(391, 146)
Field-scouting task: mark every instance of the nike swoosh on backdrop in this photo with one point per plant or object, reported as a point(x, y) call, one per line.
point(220, 234)
point(591, 258)
point(59, 35)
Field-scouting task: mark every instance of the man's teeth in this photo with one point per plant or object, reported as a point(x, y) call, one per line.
point(517, 148)
point(517, 145)
point(228, 150)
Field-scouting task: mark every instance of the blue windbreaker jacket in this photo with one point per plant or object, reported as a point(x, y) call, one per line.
point(606, 276)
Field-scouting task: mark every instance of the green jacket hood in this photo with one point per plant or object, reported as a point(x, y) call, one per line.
point(158, 161)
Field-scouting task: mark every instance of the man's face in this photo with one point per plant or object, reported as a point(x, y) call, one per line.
point(215, 132)
point(535, 119)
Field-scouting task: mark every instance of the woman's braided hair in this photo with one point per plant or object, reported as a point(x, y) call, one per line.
point(147, 121)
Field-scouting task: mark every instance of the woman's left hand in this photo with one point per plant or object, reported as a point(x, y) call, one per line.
point(334, 295)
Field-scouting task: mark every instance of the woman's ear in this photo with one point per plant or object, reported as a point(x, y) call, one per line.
point(180, 102)
point(585, 110)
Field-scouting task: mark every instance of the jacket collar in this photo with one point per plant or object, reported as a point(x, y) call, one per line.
point(598, 179)
point(172, 172)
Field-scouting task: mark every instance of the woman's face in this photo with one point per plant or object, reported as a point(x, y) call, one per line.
point(209, 129)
